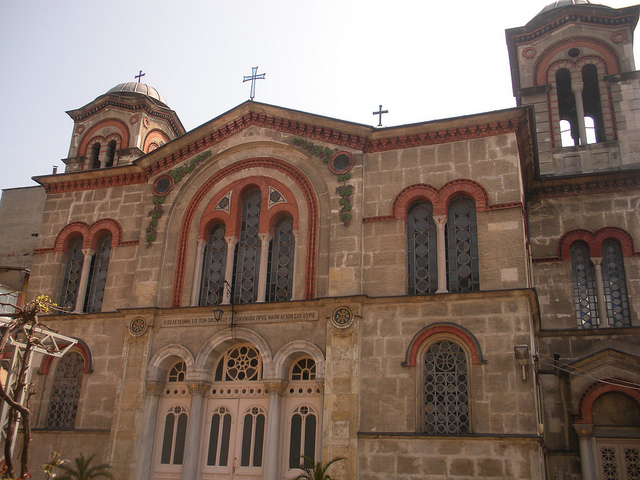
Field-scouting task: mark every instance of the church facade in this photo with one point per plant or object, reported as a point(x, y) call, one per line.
point(451, 299)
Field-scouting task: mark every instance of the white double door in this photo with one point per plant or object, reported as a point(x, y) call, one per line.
point(233, 439)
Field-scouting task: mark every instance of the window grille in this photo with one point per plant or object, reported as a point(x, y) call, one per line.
point(446, 400)
point(304, 369)
point(72, 272)
point(213, 267)
point(619, 462)
point(421, 247)
point(302, 437)
point(175, 432)
point(247, 258)
point(219, 438)
point(615, 284)
point(253, 437)
point(462, 246)
point(584, 291)
point(241, 363)
point(98, 275)
point(281, 256)
point(178, 372)
point(65, 393)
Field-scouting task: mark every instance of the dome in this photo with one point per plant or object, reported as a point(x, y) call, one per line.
point(563, 3)
point(136, 88)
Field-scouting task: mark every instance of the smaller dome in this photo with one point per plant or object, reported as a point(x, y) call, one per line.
point(136, 88)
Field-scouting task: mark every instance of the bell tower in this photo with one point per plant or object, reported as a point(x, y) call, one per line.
point(574, 63)
point(131, 119)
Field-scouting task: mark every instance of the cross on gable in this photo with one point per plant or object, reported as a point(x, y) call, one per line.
point(253, 77)
point(379, 113)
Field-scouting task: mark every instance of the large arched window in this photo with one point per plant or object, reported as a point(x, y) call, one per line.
point(281, 257)
point(219, 438)
point(65, 392)
point(463, 269)
point(72, 273)
point(247, 258)
point(304, 422)
point(213, 267)
point(584, 286)
point(446, 389)
point(98, 275)
point(422, 275)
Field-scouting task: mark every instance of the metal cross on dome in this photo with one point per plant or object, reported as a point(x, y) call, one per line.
point(379, 113)
point(253, 77)
point(139, 76)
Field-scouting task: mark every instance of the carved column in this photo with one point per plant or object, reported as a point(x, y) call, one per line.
point(441, 248)
point(228, 272)
point(577, 88)
point(265, 238)
point(84, 278)
point(586, 459)
point(149, 421)
point(192, 440)
point(197, 273)
point(272, 443)
point(602, 305)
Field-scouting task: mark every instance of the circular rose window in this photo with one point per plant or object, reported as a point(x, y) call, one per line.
point(341, 162)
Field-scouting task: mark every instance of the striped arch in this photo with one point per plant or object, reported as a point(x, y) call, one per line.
point(288, 354)
point(594, 240)
point(80, 347)
point(155, 138)
point(120, 126)
point(90, 234)
point(597, 389)
point(443, 328)
point(165, 358)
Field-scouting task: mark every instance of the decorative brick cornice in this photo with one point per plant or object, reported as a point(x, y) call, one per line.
point(554, 188)
point(118, 180)
point(443, 136)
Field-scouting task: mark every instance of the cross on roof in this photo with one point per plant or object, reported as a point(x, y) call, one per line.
point(253, 77)
point(379, 113)
point(139, 76)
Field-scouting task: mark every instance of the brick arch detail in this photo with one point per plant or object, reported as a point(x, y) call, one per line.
point(153, 136)
point(90, 234)
point(608, 55)
point(81, 347)
point(594, 240)
point(208, 220)
point(439, 198)
point(596, 390)
point(443, 328)
point(259, 162)
point(276, 212)
point(109, 122)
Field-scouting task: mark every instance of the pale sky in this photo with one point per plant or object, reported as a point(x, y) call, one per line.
point(422, 60)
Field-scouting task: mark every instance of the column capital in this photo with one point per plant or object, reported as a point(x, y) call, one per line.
point(275, 386)
point(198, 388)
point(584, 430)
point(597, 261)
point(231, 241)
point(88, 252)
point(320, 384)
point(440, 220)
point(155, 388)
point(265, 237)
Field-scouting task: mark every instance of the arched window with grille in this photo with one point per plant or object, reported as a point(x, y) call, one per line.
point(219, 438)
point(240, 363)
point(72, 273)
point(422, 275)
point(65, 392)
point(98, 275)
point(281, 257)
point(175, 432)
point(213, 267)
point(247, 257)
point(584, 286)
point(177, 373)
point(615, 284)
point(463, 271)
point(446, 389)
